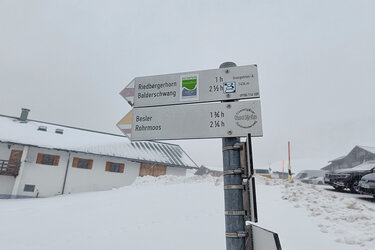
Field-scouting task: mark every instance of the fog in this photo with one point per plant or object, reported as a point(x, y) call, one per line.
point(67, 61)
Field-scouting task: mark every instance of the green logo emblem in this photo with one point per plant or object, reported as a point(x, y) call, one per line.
point(189, 87)
point(189, 83)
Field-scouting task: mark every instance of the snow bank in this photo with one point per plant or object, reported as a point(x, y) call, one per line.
point(183, 213)
point(171, 179)
point(350, 220)
point(298, 164)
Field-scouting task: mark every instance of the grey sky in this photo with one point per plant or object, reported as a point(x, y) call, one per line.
point(68, 60)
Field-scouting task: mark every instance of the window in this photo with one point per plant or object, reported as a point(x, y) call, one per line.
point(42, 128)
point(114, 167)
point(82, 163)
point(45, 159)
point(59, 131)
point(29, 188)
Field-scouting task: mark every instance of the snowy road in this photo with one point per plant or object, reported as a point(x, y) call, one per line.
point(347, 193)
point(184, 213)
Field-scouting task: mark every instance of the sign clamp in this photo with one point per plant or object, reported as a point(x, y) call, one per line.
point(235, 213)
point(232, 172)
point(236, 235)
point(231, 187)
point(237, 146)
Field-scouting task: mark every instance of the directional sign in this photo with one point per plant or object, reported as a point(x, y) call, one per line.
point(261, 239)
point(125, 125)
point(193, 87)
point(209, 120)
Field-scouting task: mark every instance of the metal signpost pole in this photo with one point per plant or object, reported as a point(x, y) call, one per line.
point(289, 166)
point(233, 191)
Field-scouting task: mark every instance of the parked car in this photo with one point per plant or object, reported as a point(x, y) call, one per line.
point(367, 184)
point(263, 172)
point(311, 176)
point(349, 177)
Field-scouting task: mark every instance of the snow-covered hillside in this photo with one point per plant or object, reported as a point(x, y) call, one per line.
point(184, 213)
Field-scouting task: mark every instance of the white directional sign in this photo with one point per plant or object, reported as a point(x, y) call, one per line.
point(261, 239)
point(193, 121)
point(193, 87)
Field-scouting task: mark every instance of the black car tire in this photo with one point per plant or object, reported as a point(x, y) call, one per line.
point(354, 188)
point(338, 188)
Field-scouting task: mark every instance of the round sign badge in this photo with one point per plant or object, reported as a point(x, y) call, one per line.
point(246, 118)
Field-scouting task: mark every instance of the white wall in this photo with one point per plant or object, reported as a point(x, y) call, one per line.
point(7, 182)
point(6, 148)
point(48, 180)
point(4, 151)
point(6, 185)
point(95, 179)
point(176, 171)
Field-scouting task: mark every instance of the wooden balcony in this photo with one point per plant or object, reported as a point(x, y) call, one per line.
point(10, 168)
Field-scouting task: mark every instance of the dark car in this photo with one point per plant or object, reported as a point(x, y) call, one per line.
point(311, 176)
point(349, 177)
point(367, 184)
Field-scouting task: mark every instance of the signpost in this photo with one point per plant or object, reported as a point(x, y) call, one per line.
point(193, 87)
point(210, 120)
point(186, 106)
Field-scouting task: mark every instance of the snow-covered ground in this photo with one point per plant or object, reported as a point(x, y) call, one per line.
point(342, 218)
point(184, 213)
point(297, 164)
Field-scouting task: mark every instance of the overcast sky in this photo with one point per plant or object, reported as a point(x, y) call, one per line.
point(68, 60)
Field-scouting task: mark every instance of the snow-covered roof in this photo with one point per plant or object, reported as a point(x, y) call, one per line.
point(338, 158)
point(12, 130)
point(369, 149)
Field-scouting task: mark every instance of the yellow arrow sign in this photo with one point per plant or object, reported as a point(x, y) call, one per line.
point(125, 124)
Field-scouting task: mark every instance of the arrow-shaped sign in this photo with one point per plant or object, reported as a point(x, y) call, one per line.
point(193, 121)
point(125, 125)
point(193, 87)
point(128, 93)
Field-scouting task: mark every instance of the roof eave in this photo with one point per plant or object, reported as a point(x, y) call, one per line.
point(115, 156)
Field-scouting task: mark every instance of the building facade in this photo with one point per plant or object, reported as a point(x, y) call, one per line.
point(39, 159)
point(357, 156)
